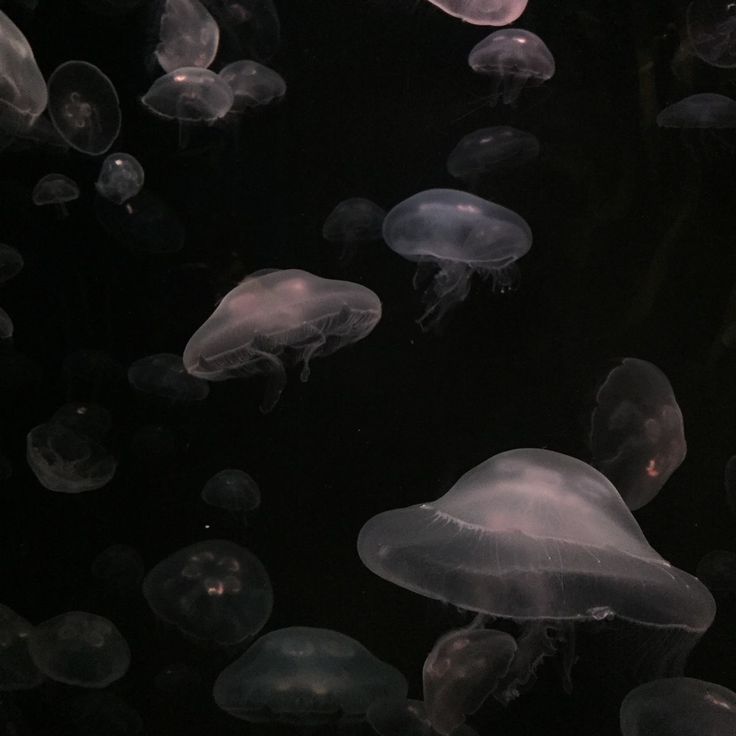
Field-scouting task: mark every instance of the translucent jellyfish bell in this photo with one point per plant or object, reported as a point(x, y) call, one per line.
point(306, 677)
point(84, 107)
point(6, 325)
point(11, 262)
point(704, 110)
point(457, 234)
point(513, 58)
point(711, 26)
point(55, 189)
point(121, 177)
point(354, 220)
point(253, 84)
point(483, 12)
point(405, 717)
point(233, 490)
point(189, 35)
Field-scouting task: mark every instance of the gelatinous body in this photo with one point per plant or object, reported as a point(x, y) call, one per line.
point(189, 35)
point(121, 177)
point(491, 150)
point(703, 110)
point(233, 490)
point(711, 26)
point(11, 262)
point(248, 28)
point(253, 84)
point(354, 220)
point(483, 12)
point(163, 374)
point(402, 717)
point(55, 189)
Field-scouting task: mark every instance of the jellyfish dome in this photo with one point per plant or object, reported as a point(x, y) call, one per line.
point(232, 489)
point(274, 312)
point(11, 262)
point(306, 677)
point(54, 189)
point(253, 84)
point(458, 234)
point(703, 110)
point(121, 177)
point(189, 35)
point(483, 12)
point(163, 375)
point(354, 220)
point(711, 26)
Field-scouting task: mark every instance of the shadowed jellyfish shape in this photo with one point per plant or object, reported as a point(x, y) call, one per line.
point(80, 648)
point(84, 107)
point(272, 312)
point(233, 490)
point(483, 12)
point(717, 570)
point(6, 325)
point(513, 59)
point(399, 717)
point(121, 177)
point(637, 437)
point(253, 84)
point(55, 189)
point(163, 375)
point(248, 28)
point(704, 110)
point(214, 591)
point(354, 220)
point(711, 26)
point(307, 677)
point(188, 34)
point(17, 671)
point(11, 262)
point(23, 94)
point(457, 234)
point(544, 540)
point(678, 706)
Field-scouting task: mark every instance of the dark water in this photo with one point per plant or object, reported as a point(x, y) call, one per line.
point(633, 255)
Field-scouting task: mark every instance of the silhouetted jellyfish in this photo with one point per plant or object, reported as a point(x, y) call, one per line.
point(84, 107)
point(121, 177)
point(678, 706)
point(637, 437)
point(214, 591)
point(717, 570)
point(483, 12)
point(164, 375)
point(702, 111)
point(711, 26)
point(274, 314)
point(233, 490)
point(401, 717)
point(188, 34)
point(544, 540)
point(253, 84)
point(248, 28)
point(55, 189)
point(23, 94)
point(354, 220)
point(513, 58)
point(11, 262)
point(120, 569)
point(80, 648)
point(307, 677)
point(6, 325)
point(456, 234)
point(17, 671)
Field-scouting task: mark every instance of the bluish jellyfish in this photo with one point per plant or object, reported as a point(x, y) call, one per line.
point(637, 437)
point(164, 375)
point(84, 107)
point(354, 220)
point(702, 111)
point(55, 189)
point(121, 177)
point(11, 262)
point(17, 671)
point(80, 648)
point(188, 34)
point(6, 325)
point(513, 58)
point(248, 28)
point(711, 26)
point(456, 234)
point(274, 315)
point(254, 85)
point(212, 591)
point(402, 717)
point(546, 541)
point(232, 489)
point(717, 570)
point(678, 706)
point(306, 677)
point(119, 568)
point(483, 12)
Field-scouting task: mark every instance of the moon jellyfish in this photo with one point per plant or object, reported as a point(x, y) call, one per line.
point(164, 375)
point(214, 591)
point(6, 325)
point(637, 437)
point(84, 107)
point(401, 717)
point(717, 570)
point(513, 59)
point(306, 677)
point(483, 12)
point(80, 648)
point(121, 177)
point(17, 671)
point(354, 220)
point(546, 541)
point(678, 706)
point(253, 84)
point(248, 28)
point(711, 26)
point(23, 94)
point(456, 234)
point(11, 263)
point(704, 110)
point(273, 315)
point(233, 490)
point(55, 189)
point(188, 34)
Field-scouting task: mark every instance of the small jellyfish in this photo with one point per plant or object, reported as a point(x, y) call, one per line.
point(456, 234)
point(273, 314)
point(84, 107)
point(55, 189)
point(513, 59)
point(233, 490)
point(188, 34)
point(637, 437)
point(248, 28)
point(6, 325)
point(80, 648)
point(164, 375)
point(354, 220)
point(702, 111)
point(401, 717)
point(253, 84)
point(711, 26)
point(11, 262)
point(120, 178)
point(717, 570)
point(483, 12)
point(306, 677)
point(17, 671)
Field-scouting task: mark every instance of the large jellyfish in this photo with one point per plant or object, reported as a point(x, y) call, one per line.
point(274, 313)
point(711, 26)
point(188, 34)
point(457, 234)
point(637, 437)
point(544, 540)
point(704, 110)
point(483, 12)
point(307, 677)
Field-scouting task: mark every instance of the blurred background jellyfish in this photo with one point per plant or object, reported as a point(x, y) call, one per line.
point(717, 570)
point(164, 375)
point(11, 262)
point(55, 189)
point(405, 717)
point(513, 58)
point(188, 34)
point(637, 437)
point(80, 648)
point(546, 541)
point(212, 591)
point(6, 325)
point(272, 315)
point(306, 677)
point(254, 85)
point(353, 221)
point(483, 12)
point(701, 118)
point(121, 177)
point(17, 670)
point(711, 28)
point(232, 489)
point(248, 28)
point(454, 235)
point(678, 706)
point(84, 107)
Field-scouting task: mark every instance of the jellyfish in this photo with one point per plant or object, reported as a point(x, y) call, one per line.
point(678, 706)
point(164, 375)
point(405, 717)
point(457, 234)
point(55, 189)
point(711, 27)
point(84, 107)
point(6, 325)
point(704, 110)
point(11, 262)
point(637, 437)
point(546, 541)
point(253, 84)
point(121, 177)
point(233, 490)
point(213, 591)
point(274, 314)
point(188, 34)
point(354, 220)
point(248, 28)
point(17, 671)
point(80, 648)
point(307, 677)
point(717, 570)
point(513, 59)
point(483, 12)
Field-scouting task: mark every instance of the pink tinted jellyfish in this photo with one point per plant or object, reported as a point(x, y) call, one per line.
point(483, 12)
